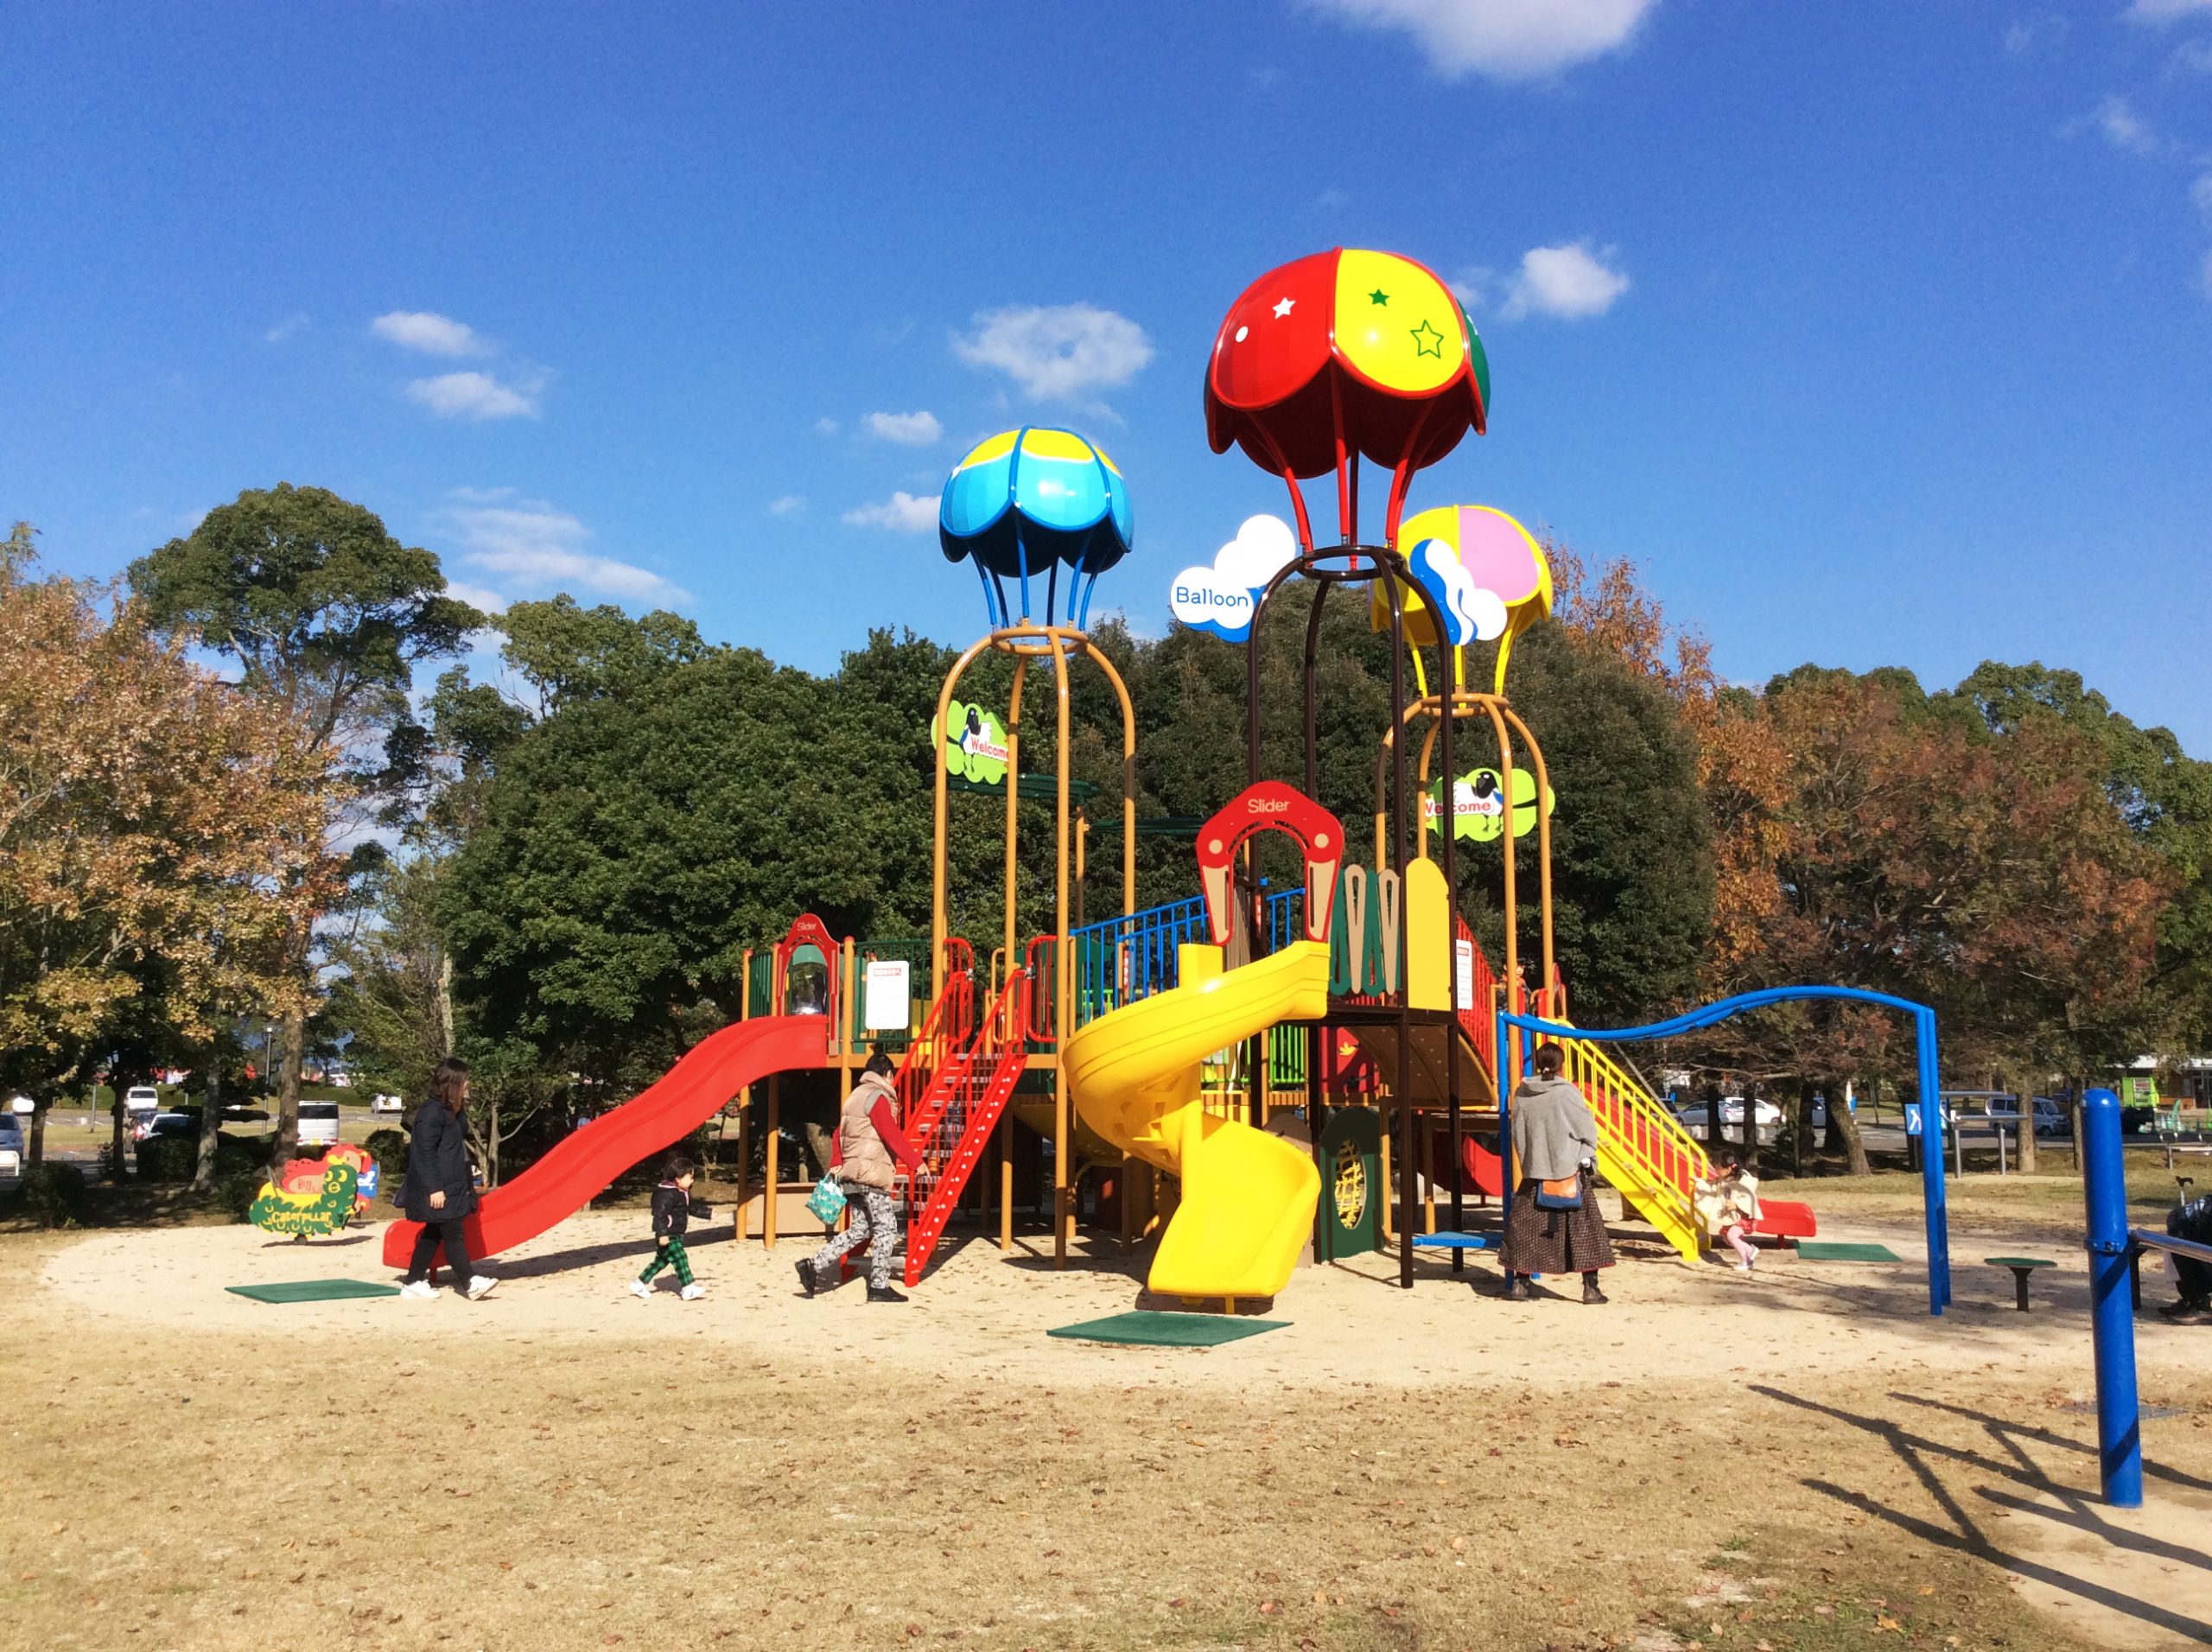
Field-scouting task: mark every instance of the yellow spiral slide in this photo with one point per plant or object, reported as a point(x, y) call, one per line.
point(1248, 1201)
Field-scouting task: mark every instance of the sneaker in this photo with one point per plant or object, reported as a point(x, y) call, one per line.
point(1516, 1288)
point(642, 1291)
point(1743, 1266)
point(691, 1292)
point(2186, 1314)
point(806, 1279)
point(421, 1289)
point(884, 1293)
point(482, 1286)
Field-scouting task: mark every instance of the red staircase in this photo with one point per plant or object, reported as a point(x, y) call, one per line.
point(959, 1112)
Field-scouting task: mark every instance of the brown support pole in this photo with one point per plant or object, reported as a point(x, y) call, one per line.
point(1063, 1205)
point(770, 1193)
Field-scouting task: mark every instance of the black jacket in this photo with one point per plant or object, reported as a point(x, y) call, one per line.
point(673, 1209)
point(437, 1161)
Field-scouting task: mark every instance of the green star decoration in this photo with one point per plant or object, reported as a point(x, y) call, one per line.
point(1378, 297)
point(1427, 342)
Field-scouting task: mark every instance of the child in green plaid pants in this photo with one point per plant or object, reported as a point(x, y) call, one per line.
point(673, 1209)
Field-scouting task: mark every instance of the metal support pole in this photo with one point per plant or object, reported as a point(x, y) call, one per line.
point(2111, 1321)
point(1931, 1166)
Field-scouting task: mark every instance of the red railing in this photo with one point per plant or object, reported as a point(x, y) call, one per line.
point(962, 1109)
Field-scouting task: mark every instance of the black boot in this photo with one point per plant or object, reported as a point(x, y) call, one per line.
point(1590, 1293)
point(883, 1293)
point(1516, 1287)
point(806, 1277)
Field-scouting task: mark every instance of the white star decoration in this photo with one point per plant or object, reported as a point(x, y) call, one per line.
point(1283, 309)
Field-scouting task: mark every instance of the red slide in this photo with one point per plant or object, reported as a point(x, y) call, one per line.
point(696, 1089)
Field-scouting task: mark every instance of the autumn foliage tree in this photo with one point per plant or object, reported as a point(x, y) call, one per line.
point(158, 832)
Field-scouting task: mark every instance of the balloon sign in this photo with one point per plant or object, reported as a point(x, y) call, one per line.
point(1488, 570)
point(1023, 503)
point(1219, 598)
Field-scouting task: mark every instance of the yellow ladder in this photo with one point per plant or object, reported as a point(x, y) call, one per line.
point(1642, 1150)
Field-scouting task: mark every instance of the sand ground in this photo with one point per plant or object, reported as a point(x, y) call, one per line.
point(1701, 1409)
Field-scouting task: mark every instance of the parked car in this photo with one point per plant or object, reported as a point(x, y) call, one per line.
point(23, 1107)
point(318, 1124)
point(2051, 1119)
point(149, 1125)
point(386, 1101)
point(12, 1149)
point(1696, 1118)
point(141, 1098)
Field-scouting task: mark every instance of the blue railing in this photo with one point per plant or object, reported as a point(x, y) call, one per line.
point(1123, 959)
point(1285, 919)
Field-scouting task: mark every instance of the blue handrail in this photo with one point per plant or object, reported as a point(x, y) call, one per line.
point(1122, 959)
point(1936, 1212)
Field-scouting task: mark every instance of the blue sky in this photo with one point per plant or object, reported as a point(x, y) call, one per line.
point(1876, 333)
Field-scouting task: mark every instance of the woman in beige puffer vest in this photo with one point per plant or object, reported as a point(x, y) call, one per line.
point(869, 1142)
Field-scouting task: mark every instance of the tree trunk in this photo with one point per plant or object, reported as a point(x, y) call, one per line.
point(115, 1162)
point(1801, 1128)
point(39, 1105)
point(289, 1067)
point(1713, 1137)
point(2027, 1127)
point(210, 1124)
point(1751, 1128)
point(1842, 1120)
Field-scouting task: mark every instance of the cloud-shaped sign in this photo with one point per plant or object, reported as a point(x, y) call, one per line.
point(1470, 612)
point(1221, 599)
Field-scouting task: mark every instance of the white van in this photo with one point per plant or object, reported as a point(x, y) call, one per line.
point(318, 1124)
point(141, 1098)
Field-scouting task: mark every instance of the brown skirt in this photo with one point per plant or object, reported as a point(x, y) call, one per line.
point(1555, 1241)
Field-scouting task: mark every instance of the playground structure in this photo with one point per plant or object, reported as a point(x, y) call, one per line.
point(1255, 1073)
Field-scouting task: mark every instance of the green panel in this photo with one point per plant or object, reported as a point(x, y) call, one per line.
point(313, 1290)
point(1348, 1221)
point(1823, 1250)
point(1154, 1329)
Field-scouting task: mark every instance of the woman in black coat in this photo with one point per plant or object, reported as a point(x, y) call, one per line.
point(439, 1191)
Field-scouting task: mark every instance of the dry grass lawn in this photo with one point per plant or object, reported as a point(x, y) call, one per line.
point(1808, 1462)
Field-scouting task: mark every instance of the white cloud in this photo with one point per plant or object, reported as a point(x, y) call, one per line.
point(907, 429)
point(2030, 33)
point(2167, 11)
point(429, 333)
point(2193, 54)
point(295, 323)
point(472, 395)
point(1570, 283)
point(787, 504)
point(825, 426)
point(477, 596)
point(1503, 40)
point(530, 542)
point(903, 512)
point(2122, 127)
point(1217, 597)
point(1058, 351)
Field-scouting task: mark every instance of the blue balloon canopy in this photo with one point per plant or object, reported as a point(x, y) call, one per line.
point(1027, 501)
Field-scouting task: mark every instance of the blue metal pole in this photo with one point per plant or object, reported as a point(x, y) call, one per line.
point(1505, 1082)
point(1931, 1164)
point(2111, 1312)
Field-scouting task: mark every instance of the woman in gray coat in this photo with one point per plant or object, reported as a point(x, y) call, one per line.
point(1554, 1139)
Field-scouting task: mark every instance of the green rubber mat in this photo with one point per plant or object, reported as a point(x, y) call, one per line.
point(1820, 1250)
point(1167, 1329)
point(313, 1290)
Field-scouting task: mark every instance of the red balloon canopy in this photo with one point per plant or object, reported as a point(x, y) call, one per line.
point(1344, 353)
